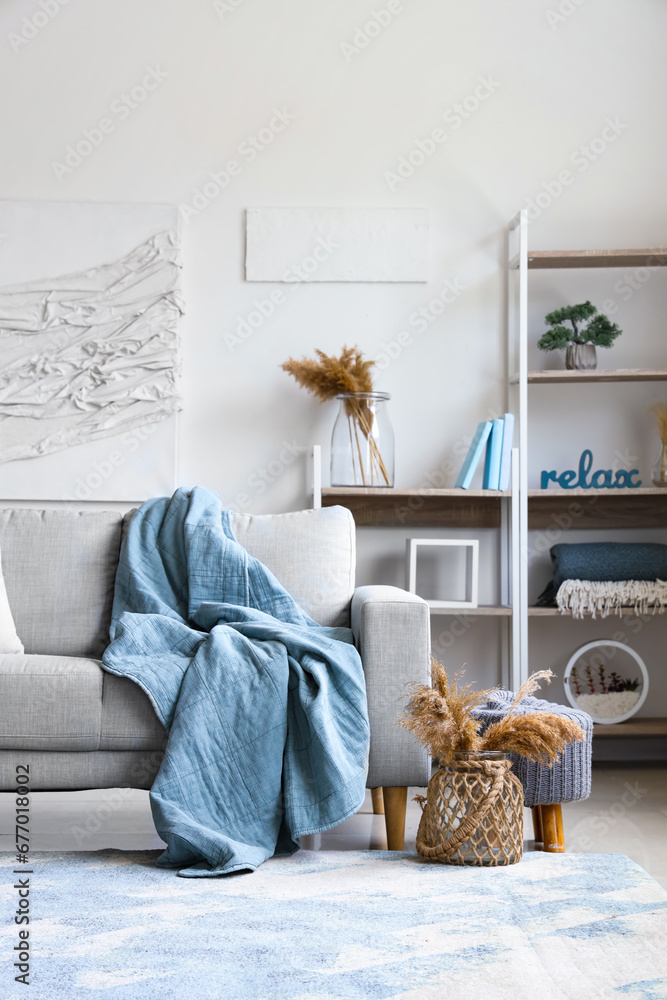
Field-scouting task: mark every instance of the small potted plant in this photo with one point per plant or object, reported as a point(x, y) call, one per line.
point(588, 329)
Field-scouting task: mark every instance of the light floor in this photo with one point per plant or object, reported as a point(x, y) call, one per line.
point(626, 813)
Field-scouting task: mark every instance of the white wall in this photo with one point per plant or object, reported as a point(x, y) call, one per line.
point(554, 84)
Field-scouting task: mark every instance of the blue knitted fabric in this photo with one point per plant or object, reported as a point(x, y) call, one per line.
point(570, 777)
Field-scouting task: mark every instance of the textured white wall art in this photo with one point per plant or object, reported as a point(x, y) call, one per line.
point(89, 363)
point(337, 244)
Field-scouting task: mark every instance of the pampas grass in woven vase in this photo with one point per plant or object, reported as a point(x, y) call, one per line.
point(473, 810)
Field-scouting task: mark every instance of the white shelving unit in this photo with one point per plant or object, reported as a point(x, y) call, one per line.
point(645, 507)
point(521, 508)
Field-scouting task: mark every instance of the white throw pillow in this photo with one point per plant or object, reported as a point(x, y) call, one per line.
point(9, 640)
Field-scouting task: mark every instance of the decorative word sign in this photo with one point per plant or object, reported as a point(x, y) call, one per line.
point(602, 479)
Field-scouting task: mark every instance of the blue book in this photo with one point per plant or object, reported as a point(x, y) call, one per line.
point(506, 456)
point(474, 454)
point(493, 449)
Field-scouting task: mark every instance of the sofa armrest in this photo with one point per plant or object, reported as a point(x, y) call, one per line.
point(393, 635)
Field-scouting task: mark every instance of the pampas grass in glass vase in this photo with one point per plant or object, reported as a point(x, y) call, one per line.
point(362, 442)
point(659, 470)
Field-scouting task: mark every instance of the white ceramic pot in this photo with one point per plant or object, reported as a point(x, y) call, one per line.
point(580, 357)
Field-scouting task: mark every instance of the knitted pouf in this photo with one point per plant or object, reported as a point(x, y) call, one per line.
point(570, 777)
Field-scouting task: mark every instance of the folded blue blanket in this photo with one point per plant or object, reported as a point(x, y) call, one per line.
point(606, 562)
point(265, 709)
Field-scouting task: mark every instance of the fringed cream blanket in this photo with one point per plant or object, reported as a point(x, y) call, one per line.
point(581, 596)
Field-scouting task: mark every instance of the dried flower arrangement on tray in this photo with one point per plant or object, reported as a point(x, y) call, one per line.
point(602, 697)
point(327, 377)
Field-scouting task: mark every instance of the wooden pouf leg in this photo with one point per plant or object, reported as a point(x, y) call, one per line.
point(537, 825)
point(552, 826)
point(395, 803)
point(378, 801)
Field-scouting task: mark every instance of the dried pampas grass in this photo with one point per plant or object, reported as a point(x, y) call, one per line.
point(660, 473)
point(329, 376)
point(441, 717)
point(660, 411)
point(326, 378)
point(538, 736)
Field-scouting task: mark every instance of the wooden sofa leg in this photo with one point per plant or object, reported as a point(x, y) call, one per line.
point(395, 803)
point(552, 825)
point(537, 825)
point(378, 801)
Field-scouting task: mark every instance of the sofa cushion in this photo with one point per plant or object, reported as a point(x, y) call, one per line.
point(52, 772)
point(311, 552)
point(128, 719)
point(59, 569)
point(50, 702)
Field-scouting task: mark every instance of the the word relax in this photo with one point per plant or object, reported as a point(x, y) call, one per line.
point(602, 479)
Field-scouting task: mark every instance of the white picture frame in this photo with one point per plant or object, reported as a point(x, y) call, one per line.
point(471, 545)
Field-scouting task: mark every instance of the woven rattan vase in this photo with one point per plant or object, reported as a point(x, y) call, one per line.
point(473, 813)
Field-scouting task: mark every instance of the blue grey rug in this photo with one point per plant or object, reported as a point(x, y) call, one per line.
point(337, 926)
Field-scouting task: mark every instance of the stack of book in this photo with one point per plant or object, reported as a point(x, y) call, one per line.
point(496, 437)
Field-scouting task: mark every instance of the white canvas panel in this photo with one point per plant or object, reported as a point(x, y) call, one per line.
point(90, 305)
point(337, 244)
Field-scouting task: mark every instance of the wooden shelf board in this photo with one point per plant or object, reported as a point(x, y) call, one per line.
point(557, 376)
point(384, 507)
point(633, 727)
point(484, 610)
point(644, 507)
point(386, 491)
point(640, 491)
point(543, 259)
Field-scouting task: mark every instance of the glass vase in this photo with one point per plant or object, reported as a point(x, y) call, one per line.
point(473, 814)
point(659, 470)
point(362, 441)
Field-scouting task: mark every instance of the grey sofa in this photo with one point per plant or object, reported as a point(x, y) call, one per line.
point(80, 727)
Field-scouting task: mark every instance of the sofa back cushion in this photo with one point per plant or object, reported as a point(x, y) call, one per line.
point(60, 566)
point(311, 552)
point(59, 569)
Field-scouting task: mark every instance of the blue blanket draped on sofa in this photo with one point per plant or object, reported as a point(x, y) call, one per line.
point(265, 709)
